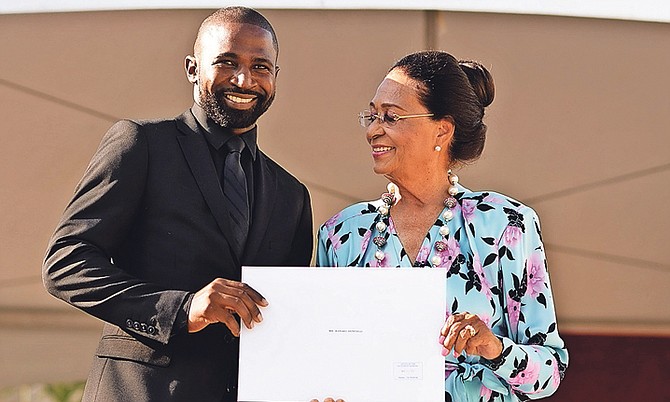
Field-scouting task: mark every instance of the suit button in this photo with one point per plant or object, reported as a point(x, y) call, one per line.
point(151, 330)
point(136, 326)
point(129, 323)
point(143, 327)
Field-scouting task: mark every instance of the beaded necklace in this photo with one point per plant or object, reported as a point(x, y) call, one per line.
point(391, 198)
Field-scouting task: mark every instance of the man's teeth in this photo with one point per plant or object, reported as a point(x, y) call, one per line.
point(237, 99)
point(382, 149)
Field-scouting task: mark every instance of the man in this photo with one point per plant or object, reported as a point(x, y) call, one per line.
point(164, 217)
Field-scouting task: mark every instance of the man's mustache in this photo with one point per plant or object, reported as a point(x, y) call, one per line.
point(238, 91)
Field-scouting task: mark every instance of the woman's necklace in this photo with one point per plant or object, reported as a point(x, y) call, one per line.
point(391, 198)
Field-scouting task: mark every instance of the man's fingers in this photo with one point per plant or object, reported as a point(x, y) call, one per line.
point(219, 300)
point(256, 297)
point(243, 300)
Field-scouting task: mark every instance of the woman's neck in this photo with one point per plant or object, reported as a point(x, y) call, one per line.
point(428, 190)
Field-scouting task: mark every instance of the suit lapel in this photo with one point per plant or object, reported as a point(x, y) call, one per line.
point(195, 149)
point(265, 190)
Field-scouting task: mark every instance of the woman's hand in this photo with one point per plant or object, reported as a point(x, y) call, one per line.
point(467, 332)
point(328, 400)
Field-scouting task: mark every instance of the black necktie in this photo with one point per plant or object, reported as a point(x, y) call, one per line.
point(235, 194)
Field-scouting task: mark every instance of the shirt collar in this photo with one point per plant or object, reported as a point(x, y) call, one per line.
point(217, 135)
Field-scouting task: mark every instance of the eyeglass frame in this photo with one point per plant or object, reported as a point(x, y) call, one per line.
point(364, 118)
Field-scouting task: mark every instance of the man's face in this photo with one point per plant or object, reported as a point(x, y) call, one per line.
point(235, 74)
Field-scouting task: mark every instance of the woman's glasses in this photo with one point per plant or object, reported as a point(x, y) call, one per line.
point(387, 118)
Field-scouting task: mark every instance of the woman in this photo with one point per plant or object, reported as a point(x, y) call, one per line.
point(500, 339)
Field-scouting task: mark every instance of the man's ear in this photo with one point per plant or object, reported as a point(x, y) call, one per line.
point(191, 67)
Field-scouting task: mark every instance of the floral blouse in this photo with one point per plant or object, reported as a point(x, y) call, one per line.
point(496, 269)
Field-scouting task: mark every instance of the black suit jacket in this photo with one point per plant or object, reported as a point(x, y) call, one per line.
point(146, 227)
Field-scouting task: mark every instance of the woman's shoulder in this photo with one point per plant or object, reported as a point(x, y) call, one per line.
point(354, 214)
point(492, 198)
point(493, 206)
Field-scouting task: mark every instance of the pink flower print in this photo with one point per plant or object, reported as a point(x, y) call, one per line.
point(423, 253)
point(484, 393)
point(527, 376)
point(468, 207)
point(449, 254)
point(366, 241)
point(494, 199)
point(555, 376)
point(332, 221)
point(448, 371)
point(514, 311)
point(486, 319)
point(334, 240)
point(391, 226)
point(512, 235)
point(535, 270)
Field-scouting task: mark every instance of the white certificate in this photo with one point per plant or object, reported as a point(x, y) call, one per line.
point(361, 334)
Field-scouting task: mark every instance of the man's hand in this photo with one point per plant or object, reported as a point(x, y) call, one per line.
point(218, 301)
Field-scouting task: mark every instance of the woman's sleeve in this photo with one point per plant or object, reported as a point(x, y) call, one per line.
point(534, 356)
point(325, 253)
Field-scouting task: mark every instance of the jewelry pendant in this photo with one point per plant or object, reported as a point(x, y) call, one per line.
point(388, 198)
point(379, 241)
point(450, 202)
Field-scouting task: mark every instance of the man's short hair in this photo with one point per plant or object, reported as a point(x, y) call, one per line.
point(241, 15)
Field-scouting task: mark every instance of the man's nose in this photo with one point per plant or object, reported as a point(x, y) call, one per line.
point(242, 78)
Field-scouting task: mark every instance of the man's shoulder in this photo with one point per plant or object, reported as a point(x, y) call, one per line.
point(150, 127)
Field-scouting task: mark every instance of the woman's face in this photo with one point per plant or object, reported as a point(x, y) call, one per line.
point(403, 150)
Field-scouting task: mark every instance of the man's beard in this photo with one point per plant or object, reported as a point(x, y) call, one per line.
point(216, 109)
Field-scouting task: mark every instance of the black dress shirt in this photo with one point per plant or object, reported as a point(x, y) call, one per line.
point(216, 137)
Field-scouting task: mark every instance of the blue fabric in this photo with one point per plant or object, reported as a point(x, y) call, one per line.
point(496, 269)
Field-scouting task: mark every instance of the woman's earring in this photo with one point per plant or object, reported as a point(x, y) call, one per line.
point(438, 148)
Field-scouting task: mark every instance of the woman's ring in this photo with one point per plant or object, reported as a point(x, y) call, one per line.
point(472, 329)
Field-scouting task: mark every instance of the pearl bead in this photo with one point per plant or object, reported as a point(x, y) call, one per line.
point(383, 210)
point(381, 226)
point(453, 179)
point(453, 190)
point(436, 260)
point(379, 255)
point(444, 230)
point(448, 215)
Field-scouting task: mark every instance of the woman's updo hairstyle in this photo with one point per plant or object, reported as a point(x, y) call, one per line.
point(458, 89)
